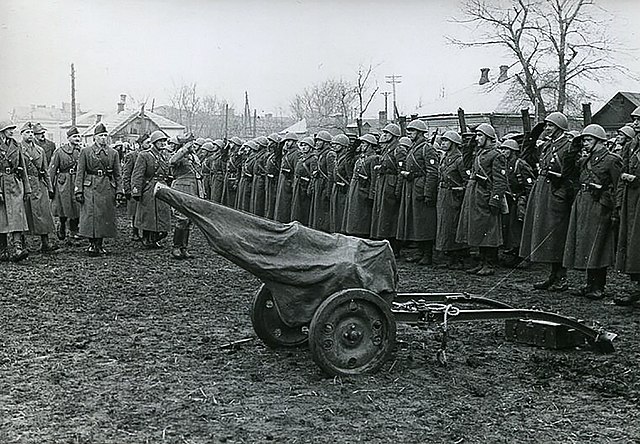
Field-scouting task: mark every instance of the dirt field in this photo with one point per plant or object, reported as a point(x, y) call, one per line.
point(125, 349)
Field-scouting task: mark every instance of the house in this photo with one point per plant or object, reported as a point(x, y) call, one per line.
point(617, 111)
point(50, 116)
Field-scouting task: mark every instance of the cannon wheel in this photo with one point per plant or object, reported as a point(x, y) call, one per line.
point(269, 326)
point(352, 332)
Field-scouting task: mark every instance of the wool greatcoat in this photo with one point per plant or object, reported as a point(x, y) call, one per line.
point(14, 184)
point(357, 211)
point(284, 194)
point(590, 239)
point(628, 202)
point(301, 197)
point(520, 179)
point(217, 163)
point(232, 171)
point(246, 181)
point(62, 173)
point(322, 183)
point(417, 220)
point(98, 179)
point(48, 147)
point(151, 167)
point(39, 216)
point(453, 179)
point(127, 170)
point(546, 220)
point(271, 185)
point(388, 187)
point(259, 183)
point(479, 226)
point(342, 174)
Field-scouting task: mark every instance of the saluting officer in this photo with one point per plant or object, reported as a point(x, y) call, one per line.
point(14, 189)
point(39, 216)
point(341, 179)
point(384, 216)
point(98, 183)
point(232, 171)
point(417, 220)
point(590, 241)
point(453, 179)
point(301, 197)
point(322, 182)
point(282, 211)
point(62, 173)
point(153, 217)
point(41, 140)
point(271, 167)
point(480, 216)
point(546, 220)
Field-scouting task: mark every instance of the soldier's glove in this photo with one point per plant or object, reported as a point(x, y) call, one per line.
point(495, 210)
point(80, 198)
point(136, 198)
point(52, 194)
point(127, 196)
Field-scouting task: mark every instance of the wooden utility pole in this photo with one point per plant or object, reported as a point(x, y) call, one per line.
point(73, 95)
point(255, 122)
point(462, 121)
point(226, 121)
point(386, 107)
point(394, 79)
point(526, 121)
point(586, 114)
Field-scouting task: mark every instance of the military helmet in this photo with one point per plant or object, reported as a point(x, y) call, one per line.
point(340, 139)
point(453, 137)
point(325, 136)
point(636, 112)
point(199, 141)
point(274, 137)
point(157, 136)
point(39, 129)
point(405, 141)
point(253, 145)
point(219, 143)
point(208, 146)
point(510, 144)
point(627, 131)
point(369, 138)
point(307, 141)
point(392, 129)
point(236, 140)
point(290, 136)
point(262, 141)
point(7, 124)
point(208, 139)
point(487, 130)
point(559, 120)
point(417, 125)
point(595, 131)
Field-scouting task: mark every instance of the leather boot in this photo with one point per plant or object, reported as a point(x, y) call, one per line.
point(18, 252)
point(599, 282)
point(561, 283)
point(46, 245)
point(101, 250)
point(544, 285)
point(135, 235)
point(427, 253)
point(491, 257)
point(93, 248)
point(582, 291)
point(178, 240)
point(4, 248)
point(73, 229)
point(185, 244)
point(62, 229)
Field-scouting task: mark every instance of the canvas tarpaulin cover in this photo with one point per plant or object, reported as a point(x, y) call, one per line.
point(300, 266)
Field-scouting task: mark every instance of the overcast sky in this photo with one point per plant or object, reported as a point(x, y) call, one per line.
point(272, 49)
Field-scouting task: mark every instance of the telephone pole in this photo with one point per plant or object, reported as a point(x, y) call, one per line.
point(386, 106)
point(73, 95)
point(394, 79)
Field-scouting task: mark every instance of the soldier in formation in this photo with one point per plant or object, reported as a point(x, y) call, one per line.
point(62, 173)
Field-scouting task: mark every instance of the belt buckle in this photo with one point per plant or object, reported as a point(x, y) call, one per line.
point(7, 170)
point(72, 171)
point(584, 187)
point(100, 173)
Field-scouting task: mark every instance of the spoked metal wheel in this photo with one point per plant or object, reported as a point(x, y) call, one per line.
point(352, 332)
point(269, 326)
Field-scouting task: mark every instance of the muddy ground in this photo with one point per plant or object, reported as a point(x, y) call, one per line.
point(125, 349)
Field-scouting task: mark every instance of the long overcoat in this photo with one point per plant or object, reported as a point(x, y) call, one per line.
point(48, 147)
point(14, 184)
point(232, 171)
point(301, 197)
point(62, 173)
point(127, 170)
point(357, 212)
point(39, 216)
point(388, 192)
point(98, 179)
point(628, 200)
point(271, 185)
point(342, 174)
point(246, 182)
point(453, 179)
point(284, 193)
point(479, 226)
point(520, 178)
point(322, 183)
point(151, 167)
point(417, 219)
point(590, 237)
point(217, 166)
point(546, 220)
point(259, 184)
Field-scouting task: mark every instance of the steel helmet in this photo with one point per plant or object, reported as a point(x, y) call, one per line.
point(199, 141)
point(340, 139)
point(208, 146)
point(559, 120)
point(392, 129)
point(325, 136)
point(253, 145)
point(369, 138)
point(219, 143)
point(510, 144)
point(7, 124)
point(307, 141)
point(157, 135)
point(594, 130)
point(636, 112)
point(236, 140)
point(453, 137)
point(262, 141)
point(487, 130)
point(208, 139)
point(290, 136)
point(628, 131)
point(417, 125)
point(274, 137)
point(406, 142)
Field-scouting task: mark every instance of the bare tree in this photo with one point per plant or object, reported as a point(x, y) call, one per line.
point(187, 104)
point(556, 43)
point(363, 92)
point(324, 102)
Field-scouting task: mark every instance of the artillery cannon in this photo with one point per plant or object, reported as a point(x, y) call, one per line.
point(336, 292)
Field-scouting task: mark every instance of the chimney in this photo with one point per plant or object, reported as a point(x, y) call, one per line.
point(504, 75)
point(484, 76)
point(122, 102)
point(98, 118)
